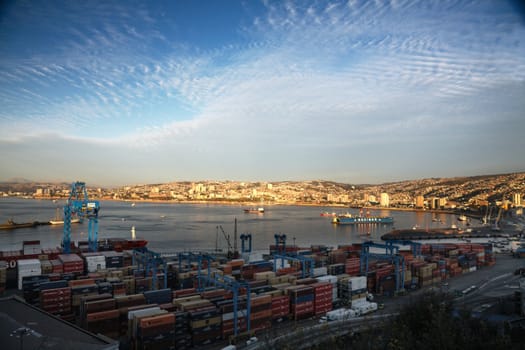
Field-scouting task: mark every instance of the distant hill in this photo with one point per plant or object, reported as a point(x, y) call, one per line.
point(17, 180)
point(493, 188)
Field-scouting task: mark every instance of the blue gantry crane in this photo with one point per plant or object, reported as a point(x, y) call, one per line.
point(246, 237)
point(416, 247)
point(231, 284)
point(280, 243)
point(199, 258)
point(151, 262)
point(307, 264)
point(78, 203)
point(391, 254)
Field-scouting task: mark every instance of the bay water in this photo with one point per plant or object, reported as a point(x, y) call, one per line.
point(175, 227)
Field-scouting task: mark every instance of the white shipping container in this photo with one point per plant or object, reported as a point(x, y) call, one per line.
point(32, 249)
point(28, 267)
point(320, 271)
point(230, 315)
point(24, 263)
point(94, 263)
point(94, 267)
point(151, 311)
point(328, 278)
point(358, 282)
point(359, 302)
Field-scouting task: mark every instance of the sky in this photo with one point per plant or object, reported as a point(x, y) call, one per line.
point(117, 93)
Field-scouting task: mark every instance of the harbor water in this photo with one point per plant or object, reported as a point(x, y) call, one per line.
point(180, 227)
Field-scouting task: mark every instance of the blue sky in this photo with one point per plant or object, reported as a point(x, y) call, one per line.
point(116, 93)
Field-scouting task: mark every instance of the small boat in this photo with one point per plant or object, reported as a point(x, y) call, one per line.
point(325, 213)
point(259, 210)
point(58, 220)
point(10, 224)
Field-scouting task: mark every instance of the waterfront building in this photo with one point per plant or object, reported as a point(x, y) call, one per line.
point(516, 199)
point(385, 200)
point(420, 202)
point(434, 203)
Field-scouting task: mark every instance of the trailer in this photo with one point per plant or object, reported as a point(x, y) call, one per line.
point(338, 315)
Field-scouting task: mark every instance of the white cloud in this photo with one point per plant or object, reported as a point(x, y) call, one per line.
point(350, 73)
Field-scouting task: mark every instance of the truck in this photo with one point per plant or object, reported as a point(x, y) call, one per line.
point(339, 314)
point(365, 308)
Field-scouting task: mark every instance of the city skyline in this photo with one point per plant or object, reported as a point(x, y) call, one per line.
point(349, 91)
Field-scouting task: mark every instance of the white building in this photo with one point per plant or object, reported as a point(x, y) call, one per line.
point(516, 199)
point(385, 200)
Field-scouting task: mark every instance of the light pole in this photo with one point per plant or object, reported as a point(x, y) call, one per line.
point(20, 333)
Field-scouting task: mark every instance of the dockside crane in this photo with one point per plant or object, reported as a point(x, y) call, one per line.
point(246, 237)
point(391, 254)
point(228, 241)
point(415, 246)
point(78, 203)
point(237, 288)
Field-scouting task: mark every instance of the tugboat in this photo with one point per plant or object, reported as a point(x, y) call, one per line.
point(10, 225)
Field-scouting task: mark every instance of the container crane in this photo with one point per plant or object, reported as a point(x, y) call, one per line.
point(246, 237)
point(227, 238)
point(391, 254)
point(78, 203)
point(237, 288)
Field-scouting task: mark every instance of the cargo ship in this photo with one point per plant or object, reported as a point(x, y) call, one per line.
point(353, 220)
point(349, 219)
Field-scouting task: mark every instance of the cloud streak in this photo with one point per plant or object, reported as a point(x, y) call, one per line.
point(336, 76)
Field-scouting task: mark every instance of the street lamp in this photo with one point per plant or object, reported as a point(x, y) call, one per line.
point(20, 333)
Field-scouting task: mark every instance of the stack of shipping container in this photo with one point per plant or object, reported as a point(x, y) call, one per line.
point(104, 294)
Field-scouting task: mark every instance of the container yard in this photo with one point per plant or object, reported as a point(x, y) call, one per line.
point(143, 299)
point(147, 300)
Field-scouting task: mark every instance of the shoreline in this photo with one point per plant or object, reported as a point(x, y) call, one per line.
point(269, 204)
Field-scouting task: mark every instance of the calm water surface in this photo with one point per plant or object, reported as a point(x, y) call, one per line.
point(177, 227)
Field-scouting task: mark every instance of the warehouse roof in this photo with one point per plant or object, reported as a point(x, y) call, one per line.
point(22, 322)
